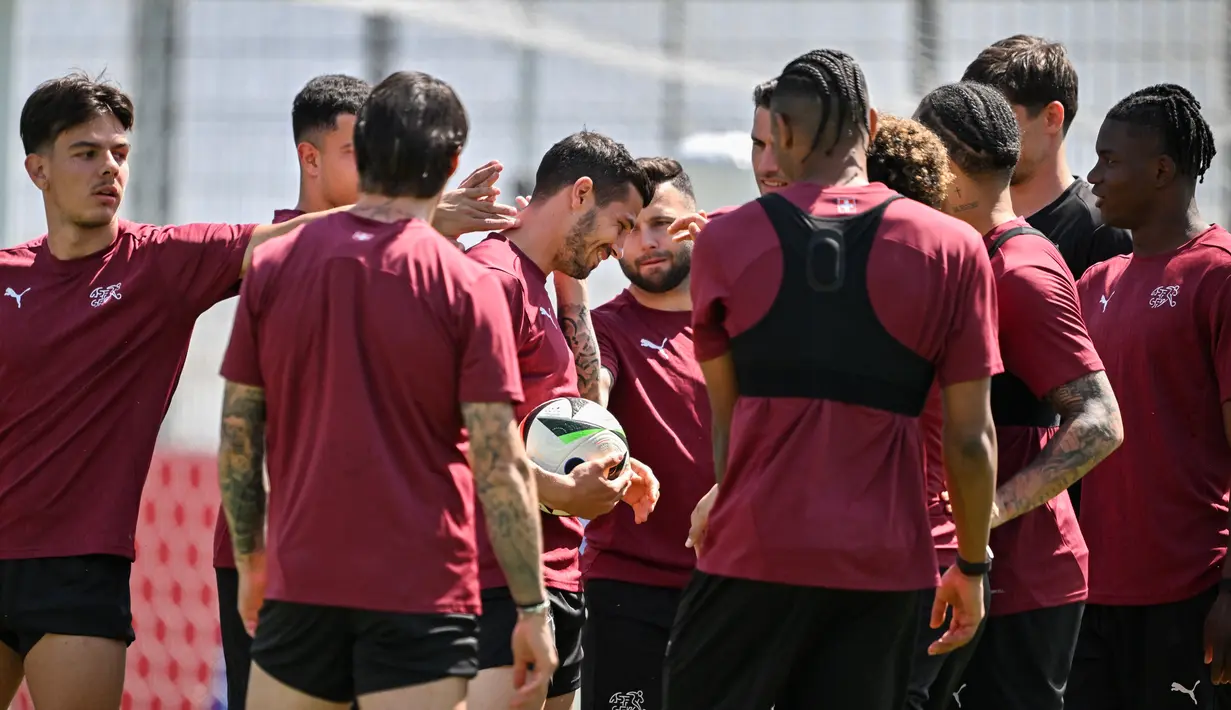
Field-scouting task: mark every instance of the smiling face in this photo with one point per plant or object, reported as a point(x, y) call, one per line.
point(84, 172)
point(597, 234)
point(764, 162)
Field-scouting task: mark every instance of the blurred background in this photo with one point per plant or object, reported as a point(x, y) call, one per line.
point(214, 79)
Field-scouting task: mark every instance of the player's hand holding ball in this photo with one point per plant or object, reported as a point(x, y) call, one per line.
point(534, 657)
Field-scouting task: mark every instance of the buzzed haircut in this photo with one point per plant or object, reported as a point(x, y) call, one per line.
point(1174, 115)
point(764, 93)
point(1031, 72)
point(67, 102)
point(588, 154)
point(910, 160)
point(977, 126)
point(319, 103)
point(830, 84)
point(408, 135)
point(667, 171)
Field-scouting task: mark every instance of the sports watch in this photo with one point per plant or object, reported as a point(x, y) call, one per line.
point(975, 569)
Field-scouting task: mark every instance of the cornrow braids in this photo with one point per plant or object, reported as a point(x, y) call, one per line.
point(976, 124)
point(834, 79)
point(1175, 114)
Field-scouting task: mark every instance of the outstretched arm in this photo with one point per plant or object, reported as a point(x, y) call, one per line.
point(1090, 429)
point(241, 465)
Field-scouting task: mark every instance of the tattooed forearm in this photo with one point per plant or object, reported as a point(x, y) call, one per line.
point(1090, 429)
point(579, 331)
point(505, 483)
point(241, 464)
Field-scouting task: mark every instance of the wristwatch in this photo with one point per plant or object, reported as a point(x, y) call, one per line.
point(975, 569)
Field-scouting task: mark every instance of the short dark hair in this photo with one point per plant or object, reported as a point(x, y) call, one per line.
point(1172, 112)
point(909, 159)
point(592, 155)
point(977, 126)
point(319, 103)
point(1031, 72)
point(68, 101)
point(764, 93)
point(667, 171)
point(834, 80)
point(408, 133)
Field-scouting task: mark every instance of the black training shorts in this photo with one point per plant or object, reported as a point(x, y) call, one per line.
point(568, 616)
point(87, 595)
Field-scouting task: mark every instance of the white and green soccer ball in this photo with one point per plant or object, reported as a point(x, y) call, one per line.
point(564, 432)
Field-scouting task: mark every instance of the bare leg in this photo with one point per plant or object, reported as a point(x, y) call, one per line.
point(76, 673)
point(11, 673)
point(265, 691)
point(492, 689)
point(443, 694)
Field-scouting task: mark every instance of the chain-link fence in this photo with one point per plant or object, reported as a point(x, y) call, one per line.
point(214, 80)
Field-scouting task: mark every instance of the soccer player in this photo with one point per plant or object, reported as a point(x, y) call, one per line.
point(587, 193)
point(323, 124)
point(651, 382)
point(1155, 512)
point(764, 163)
point(910, 160)
point(97, 316)
point(1055, 414)
point(367, 457)
point(806, 590)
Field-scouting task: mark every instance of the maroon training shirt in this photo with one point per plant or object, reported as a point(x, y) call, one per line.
point(820, 493)
point(659, 396)
point(944, 529)
point(1040, 556)
point(224, 552)
point(1154, 514)
point(366, 336)
point(91, 352)
point(547, 372)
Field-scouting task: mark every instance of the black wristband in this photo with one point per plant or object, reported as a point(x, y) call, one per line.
point(974, 569)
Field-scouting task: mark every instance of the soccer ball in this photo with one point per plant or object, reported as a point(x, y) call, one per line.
point(564, 432)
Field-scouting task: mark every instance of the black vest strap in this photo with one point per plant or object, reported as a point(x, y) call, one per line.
point(1013, 403)
point(821, 338)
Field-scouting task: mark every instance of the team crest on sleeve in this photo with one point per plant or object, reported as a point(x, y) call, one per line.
point(1164, 296)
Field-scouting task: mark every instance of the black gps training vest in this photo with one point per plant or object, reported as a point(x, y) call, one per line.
point(1013, 404)
point(821, 338)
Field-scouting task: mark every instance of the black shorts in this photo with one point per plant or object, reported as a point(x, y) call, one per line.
point(1145, 658)
point(744, 645)
point(1023, 660)
point(339, 654)
point(625, 640)
point(86, 595)
point(934, 679)
point(568, 616)
point(236, 643)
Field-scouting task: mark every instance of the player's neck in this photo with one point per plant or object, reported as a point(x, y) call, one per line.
point(67, 241)
point(986, 209)
point(383, 208)
point(311, 200)
point(848, 170)
point(535, 235)
point(1051, 178)
point(677, 299)
point(1168, 231)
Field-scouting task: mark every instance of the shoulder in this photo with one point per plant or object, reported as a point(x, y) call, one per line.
point(1032, 251)
point(22, 254)
point(613, 312)
point(930, 232)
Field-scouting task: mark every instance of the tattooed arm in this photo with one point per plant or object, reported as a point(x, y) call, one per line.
point(572, 299)
point(505, 481)
point(1090, 429)
point(241, 465)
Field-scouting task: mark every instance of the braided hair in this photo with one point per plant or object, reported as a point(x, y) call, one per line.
point(1175, 115)
point(977, 126)
point(832, 78)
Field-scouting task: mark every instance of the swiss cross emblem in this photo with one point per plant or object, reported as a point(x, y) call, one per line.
point(846, 205)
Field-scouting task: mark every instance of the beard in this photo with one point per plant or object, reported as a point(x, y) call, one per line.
point(573, 259)
point(664, 281)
